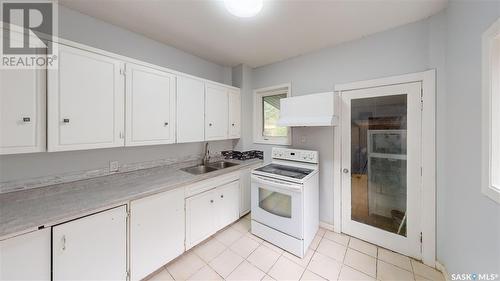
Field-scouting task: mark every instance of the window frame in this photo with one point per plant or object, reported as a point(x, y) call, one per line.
point(258, 117)
point(490, 185)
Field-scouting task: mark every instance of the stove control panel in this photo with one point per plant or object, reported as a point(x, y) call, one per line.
point(299, 155)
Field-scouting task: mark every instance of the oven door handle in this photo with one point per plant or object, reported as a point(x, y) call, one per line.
point(277, 183)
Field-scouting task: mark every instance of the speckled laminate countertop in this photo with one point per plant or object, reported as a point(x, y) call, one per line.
point(26, 210)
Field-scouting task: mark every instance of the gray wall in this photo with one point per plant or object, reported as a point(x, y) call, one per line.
point(469, 231)
point(468, 223)
point(90, 31)
point(398, 51)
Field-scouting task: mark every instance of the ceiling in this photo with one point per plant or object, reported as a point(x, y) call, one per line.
point(282, 30)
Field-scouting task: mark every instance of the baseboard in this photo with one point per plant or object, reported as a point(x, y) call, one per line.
point(443, 270)
point(326, 225)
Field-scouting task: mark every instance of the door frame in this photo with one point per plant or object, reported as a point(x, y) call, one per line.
point(428, 198)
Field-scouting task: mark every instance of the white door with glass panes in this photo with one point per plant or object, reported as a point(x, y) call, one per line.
point(381, 162)
point(234, 102)
point(85, 101)
point(216, 112)
point(150, 106)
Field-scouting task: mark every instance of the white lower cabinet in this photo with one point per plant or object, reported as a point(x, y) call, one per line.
point(26, 257)
point(91, 248)
point(227, 207)
point(245, 193)
point(157, 228)
point(210, 211)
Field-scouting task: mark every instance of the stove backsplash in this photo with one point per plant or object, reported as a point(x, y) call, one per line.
point(243, 155)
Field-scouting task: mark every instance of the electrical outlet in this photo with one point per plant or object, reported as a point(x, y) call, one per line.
point(113, 166)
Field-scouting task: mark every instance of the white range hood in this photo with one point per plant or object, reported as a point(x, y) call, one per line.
point(308, 110)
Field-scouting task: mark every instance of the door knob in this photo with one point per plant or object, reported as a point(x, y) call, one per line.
point(346, 171)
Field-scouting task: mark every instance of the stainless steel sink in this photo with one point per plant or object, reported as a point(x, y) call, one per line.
point(199, 169)
point(222, 164)
point(210, 167)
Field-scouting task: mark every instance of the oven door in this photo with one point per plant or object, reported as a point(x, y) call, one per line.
point(278, 204)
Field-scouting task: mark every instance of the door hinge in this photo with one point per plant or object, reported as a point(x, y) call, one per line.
point(421, 99)
point(420, 237)
point(128, 275)
point(122, 71)
point(128, 213)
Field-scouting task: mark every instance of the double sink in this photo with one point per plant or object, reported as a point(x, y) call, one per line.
point(209, 167)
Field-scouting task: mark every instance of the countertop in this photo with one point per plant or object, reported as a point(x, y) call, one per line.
point(27, 210)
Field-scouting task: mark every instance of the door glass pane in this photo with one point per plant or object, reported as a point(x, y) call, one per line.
point(275, 203)
point(378, 162)
point(271, 112)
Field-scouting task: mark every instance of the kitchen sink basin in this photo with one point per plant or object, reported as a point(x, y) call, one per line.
point(210, 167)
point(221, 164)
point(199, 169)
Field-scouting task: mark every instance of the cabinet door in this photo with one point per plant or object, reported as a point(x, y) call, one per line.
point(85, 101)
point(190, 110)
point(228, 204)
point(216, 112)
point(91, 248)
point(200, 218)
point(26, 257)
point(245, 186)
point(234, 123)
point(22, 110)
point(150, 106)
point(156, 232)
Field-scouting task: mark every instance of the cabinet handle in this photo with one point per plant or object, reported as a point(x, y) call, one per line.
point(26, 119)
point(66, 120)
point(210, 124)
point(166, 123)
point(232, 124)
point(222, 196)
point(211, 201)
point(63, 241)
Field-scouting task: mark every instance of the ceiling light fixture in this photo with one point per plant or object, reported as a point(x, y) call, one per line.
point(244, 8)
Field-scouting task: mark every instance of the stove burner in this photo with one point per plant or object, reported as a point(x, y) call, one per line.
point(286, 171)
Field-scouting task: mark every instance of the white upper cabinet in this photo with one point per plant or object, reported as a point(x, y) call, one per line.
point(91, 248)
point(26, 257)
point(22, 110)
point(190, 110)
point(234, 104)
point(156, 232)
point(85, 101)
point(150, 106)
point(216, 112)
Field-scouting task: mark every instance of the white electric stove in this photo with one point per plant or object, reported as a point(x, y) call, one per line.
point(285, 199)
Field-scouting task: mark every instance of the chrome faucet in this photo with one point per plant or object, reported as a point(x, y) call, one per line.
point(206, 156)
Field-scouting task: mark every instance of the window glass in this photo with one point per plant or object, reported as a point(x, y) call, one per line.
point(271, 114)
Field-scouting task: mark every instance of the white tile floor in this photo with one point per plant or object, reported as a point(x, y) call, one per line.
point(236, 254)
